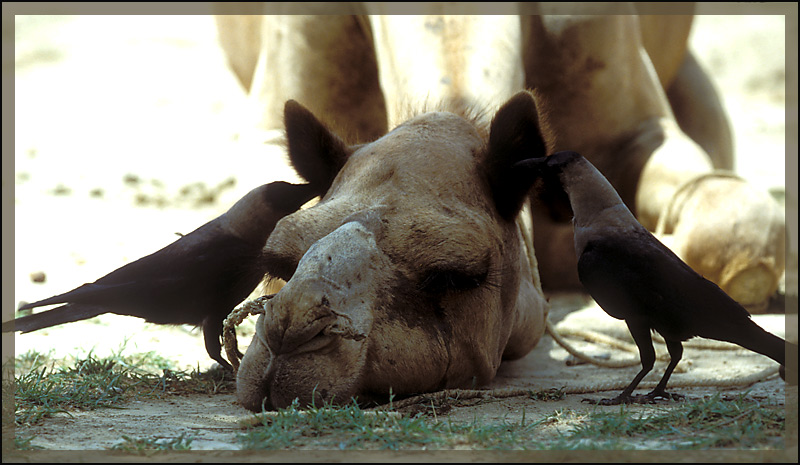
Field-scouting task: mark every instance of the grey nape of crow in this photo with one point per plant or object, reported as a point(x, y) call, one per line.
point(198, 279)
point(635, 278)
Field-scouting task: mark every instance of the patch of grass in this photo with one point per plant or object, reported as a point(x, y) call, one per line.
point(89, 383)
point(350, 427)
point(153, 444)
point(214, 381)
point(41, 388)
point(715, 422)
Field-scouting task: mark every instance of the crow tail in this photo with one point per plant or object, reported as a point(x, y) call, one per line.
point(60, 315)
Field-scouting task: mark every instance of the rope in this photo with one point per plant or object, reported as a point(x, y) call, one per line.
point(234, 319)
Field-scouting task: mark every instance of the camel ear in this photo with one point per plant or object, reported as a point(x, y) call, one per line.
point(514, 136)
point(315, 152)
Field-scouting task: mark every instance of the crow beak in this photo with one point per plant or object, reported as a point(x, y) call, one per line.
point(531, 166)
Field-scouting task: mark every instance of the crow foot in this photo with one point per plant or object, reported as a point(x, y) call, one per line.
point(652, 397)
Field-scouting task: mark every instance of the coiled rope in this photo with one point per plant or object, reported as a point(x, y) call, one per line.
point(684, 191)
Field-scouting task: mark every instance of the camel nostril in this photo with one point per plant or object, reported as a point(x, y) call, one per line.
point(303, 336)
point(318, 335)
point(316, 343)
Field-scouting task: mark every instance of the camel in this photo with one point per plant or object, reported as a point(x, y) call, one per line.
point(410, 274)
point(386, 294)
point(622, 89)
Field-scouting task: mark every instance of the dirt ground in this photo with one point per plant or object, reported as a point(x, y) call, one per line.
point(123, 125)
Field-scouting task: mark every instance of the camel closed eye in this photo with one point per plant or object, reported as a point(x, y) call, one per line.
point(442, 281)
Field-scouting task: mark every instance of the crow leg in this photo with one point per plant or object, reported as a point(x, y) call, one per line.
point(212, 335)
point(675, 349)
point(647, 354)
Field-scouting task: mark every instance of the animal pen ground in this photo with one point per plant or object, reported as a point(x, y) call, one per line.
point(128, 129)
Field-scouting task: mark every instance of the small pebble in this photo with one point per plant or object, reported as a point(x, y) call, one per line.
point(131, 179)
point(61, 190)
point(38, 277)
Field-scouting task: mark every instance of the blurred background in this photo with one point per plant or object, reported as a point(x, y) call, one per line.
point(128, 129)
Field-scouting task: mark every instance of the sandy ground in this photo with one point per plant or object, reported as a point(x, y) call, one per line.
point(118, 118)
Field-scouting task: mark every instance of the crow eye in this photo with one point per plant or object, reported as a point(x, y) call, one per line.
point(442, 281)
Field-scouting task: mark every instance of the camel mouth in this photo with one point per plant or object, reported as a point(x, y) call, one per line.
point(317, 372)
point(313, 373)
point(313, 338)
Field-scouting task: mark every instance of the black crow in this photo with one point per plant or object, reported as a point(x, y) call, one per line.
point(635, 278)
point(198, 279)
